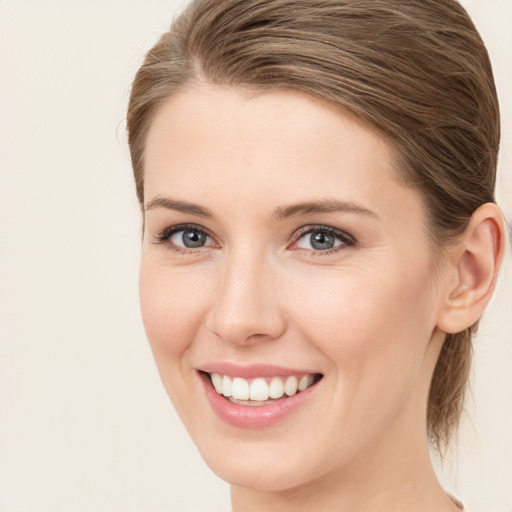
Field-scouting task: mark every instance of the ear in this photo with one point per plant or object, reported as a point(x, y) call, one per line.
point(473, 269)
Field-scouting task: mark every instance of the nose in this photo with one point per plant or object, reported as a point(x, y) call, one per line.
point(246, 307)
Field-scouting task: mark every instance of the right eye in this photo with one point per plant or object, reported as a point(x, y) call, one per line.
point(190, 238)
point(185, 237)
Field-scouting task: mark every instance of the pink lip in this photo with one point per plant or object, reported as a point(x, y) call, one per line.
point(253, 370)
point(261, 416)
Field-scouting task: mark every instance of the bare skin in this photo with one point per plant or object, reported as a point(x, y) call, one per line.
point(368, 313)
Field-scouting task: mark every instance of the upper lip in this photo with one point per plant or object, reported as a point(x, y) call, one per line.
point(250, 371)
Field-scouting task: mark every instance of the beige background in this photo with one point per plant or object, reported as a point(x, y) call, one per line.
point(84, 423)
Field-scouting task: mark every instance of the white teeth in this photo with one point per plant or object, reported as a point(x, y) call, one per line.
point(276, 388)
point(227, 386)
point(305, 382)
point(217, 383)
point(290, 386)
point(259, 391)
point(240, 388)
point(250, 403)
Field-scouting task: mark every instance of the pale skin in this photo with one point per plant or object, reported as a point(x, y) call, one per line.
point(369, 314)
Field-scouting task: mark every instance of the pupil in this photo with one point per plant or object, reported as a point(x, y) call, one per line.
point(322, 241)
point(193, 239)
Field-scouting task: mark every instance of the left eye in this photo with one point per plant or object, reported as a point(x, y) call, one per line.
point(322, 240)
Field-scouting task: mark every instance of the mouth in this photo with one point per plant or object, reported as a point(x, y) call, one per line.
point(257, 397)
point(259, 391)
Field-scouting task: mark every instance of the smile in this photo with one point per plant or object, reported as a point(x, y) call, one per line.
point(256, 397)
point(259, 391)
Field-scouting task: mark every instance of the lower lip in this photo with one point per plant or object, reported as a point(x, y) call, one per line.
point(259, 416)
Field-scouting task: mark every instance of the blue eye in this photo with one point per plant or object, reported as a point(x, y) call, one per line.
point(190, 238)
point(184, 237)
point(324, 239)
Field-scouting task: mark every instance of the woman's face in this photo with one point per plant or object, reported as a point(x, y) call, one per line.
point(279, 243)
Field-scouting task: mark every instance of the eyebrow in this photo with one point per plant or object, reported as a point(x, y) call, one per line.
point(321, 206)
point(178, 206)
point(280, 213)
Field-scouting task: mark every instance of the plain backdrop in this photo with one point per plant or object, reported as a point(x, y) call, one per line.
point(85, 424)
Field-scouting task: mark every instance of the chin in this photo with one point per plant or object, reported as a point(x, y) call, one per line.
point(266, 474)
point(261, 461)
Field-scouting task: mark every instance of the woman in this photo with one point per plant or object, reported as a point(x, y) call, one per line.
point(320, 240)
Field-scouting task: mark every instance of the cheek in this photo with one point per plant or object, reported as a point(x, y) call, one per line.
point(374, 326)
point(172, 308)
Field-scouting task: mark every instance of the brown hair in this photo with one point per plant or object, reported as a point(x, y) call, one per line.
point(417, 71)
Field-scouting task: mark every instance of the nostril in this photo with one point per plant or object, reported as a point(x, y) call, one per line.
point(245, 311)
point(246, 331)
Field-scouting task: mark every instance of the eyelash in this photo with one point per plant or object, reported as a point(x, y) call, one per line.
point(165, 236)
point(346, 239)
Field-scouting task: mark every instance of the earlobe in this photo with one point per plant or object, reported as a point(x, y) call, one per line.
point(474, 269)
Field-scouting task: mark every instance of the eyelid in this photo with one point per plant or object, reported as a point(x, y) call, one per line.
point(346, 238)
point(163, 237)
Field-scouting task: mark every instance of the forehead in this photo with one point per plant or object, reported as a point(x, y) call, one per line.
point(282, 146)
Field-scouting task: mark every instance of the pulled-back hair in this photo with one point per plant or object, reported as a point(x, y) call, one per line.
point(416, 71)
